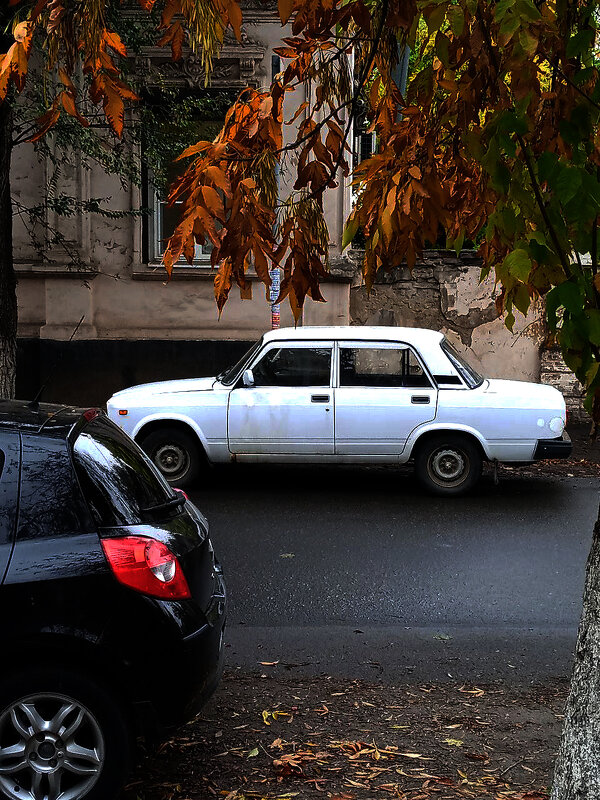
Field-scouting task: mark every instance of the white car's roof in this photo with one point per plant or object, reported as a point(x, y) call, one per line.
point(356, 333)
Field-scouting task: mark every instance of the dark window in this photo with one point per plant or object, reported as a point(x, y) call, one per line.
point(172, 120)
point(388, 367)
point(118, 480)
point(51, 503)
point(294, 366)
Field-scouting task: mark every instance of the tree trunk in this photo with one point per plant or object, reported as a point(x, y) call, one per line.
point(8, 282)
point(577, 769)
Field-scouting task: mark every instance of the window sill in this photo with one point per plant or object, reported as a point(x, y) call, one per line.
point(52, 270)
point(155, 271)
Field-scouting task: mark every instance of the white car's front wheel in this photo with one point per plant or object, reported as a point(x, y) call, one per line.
point(448, 464)
point(175, 453)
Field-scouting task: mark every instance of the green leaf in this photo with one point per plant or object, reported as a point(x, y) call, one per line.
point(546, 165)
point(500, 175)
point(442, 48)
point(592, 186)
point(584, 75)
point(569, 132)
point(570, 297)
point(521, 298)
point(349, 231)
point(518, 264)
point(527, 9)
point(507, 144)
point(509, 25)
point(509, 221)
point(509, 321)
point(253, 753)
point(567, 295)
point(593, 316)
point(510, 122)
point(552, 304)
point(501, 8)
point(592, 374)
point(567, 184)
point(456, 18)
point(528, 42)
point(457, 244)
point(579, 43)
point(538, 237)
point(436, 17)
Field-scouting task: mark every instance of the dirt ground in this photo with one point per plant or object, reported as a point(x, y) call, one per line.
point(276, 737)
point(270, 736)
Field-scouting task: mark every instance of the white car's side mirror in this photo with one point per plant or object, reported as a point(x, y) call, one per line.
point(248, 378)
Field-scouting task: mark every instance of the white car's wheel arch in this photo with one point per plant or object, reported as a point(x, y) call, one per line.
point(154, 421)
point(419, 435)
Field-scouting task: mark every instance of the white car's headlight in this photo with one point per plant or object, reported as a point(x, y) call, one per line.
point(557, 425)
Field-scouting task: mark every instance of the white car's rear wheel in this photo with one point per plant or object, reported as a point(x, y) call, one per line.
point(448, 464)
point(175, 453)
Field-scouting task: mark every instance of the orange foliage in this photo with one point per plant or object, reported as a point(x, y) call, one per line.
point(442, 154)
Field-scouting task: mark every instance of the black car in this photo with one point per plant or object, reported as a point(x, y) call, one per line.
point(112, 605)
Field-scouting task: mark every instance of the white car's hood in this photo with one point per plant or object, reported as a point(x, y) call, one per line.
point(167, 387)
point(524, 394)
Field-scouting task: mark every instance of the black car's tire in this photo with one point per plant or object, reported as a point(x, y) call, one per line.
point(448, 464)
point(86, 750)
point(175, 453)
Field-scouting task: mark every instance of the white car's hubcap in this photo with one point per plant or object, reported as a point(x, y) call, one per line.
point(448, 465)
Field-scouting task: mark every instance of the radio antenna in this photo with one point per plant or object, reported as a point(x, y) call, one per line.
point(36, 400)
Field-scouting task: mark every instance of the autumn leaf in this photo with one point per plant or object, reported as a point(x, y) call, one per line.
point(285, 10)
point(113, 40)
point(175, 36)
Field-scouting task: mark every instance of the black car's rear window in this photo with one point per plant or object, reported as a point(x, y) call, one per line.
point(118, 480)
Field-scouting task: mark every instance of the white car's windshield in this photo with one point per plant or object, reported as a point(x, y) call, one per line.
point(469, 375)
point(228, 376)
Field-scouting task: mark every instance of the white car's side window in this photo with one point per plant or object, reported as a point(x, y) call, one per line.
point(294, 366)
point(386, 367)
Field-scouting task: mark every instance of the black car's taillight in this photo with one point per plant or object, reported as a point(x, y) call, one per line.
point(146, 565)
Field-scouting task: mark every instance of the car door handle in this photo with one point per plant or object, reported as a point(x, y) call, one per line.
point(420, 399)
point(319, 398)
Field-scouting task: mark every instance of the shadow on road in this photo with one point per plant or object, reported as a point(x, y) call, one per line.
point(379, 481)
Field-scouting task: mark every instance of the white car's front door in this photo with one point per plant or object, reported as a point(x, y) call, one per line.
point(289, 409)
point(383, 393)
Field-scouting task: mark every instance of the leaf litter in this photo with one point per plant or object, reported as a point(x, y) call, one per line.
point(281, 738)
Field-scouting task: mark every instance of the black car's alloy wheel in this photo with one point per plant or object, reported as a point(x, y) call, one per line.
point(69, 744)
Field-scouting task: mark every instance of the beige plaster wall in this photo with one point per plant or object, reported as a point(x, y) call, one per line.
point(118, 294)
point(444, 293)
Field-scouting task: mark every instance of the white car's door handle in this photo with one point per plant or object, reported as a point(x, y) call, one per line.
point(420, 399)
point(319, 398)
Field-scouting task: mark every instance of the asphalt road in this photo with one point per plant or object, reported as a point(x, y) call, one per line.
point(357, 572)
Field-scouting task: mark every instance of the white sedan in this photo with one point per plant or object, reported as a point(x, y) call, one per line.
point(369, 395)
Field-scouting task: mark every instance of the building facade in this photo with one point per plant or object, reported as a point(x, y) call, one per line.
point(110, 317)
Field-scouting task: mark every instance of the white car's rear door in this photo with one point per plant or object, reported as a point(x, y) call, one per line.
point(383, 392)
point(289, 410)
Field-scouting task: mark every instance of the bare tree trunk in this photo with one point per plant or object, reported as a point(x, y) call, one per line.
point(577, 769)
point(8, 282)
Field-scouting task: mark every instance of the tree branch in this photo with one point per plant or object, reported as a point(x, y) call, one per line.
point(526, 155)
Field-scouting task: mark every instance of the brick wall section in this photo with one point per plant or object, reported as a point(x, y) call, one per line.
point(555, 372)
